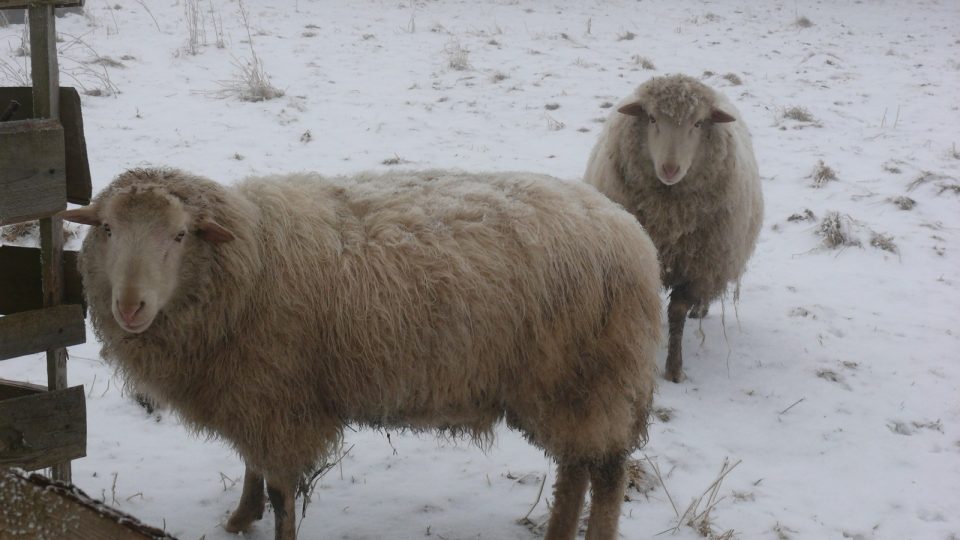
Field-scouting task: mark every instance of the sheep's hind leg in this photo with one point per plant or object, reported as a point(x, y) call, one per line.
point(607, 483)
point(568, 494)
point(282, 493)
point(676, 316)
point(699, 310)
point(251, 504)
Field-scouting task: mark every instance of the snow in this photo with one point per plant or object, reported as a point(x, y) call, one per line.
point(834, 381)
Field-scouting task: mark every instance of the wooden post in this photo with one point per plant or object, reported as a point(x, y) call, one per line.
point(46, 104)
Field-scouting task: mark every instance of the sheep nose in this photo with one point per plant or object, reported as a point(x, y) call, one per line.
point(129, 309)
point(670, 170)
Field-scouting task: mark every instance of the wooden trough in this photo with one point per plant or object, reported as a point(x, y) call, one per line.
point(43, 164)
point(42, 509)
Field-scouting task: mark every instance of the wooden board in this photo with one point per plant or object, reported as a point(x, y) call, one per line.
point(40, 509)
point(23, 4)
point(40, 430)
point(79, 187)
point(23, 289)
point(40, 330)
point(32, 170)
point(15, 389)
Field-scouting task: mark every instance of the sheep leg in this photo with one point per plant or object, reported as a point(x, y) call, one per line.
point(607, 483)
point(699, 310)
point(251, 504)
point(568, 494)
point(282, 493)
point(677, 317)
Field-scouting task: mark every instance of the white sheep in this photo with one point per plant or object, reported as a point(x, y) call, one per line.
point(677, 155)
point(275, 312)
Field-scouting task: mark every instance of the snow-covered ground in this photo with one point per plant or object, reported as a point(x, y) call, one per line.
point(836, 381)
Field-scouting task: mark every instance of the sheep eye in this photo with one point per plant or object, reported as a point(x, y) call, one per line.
point(106, 228)
point(653, 120)
point(698, 124)
point(179, 237)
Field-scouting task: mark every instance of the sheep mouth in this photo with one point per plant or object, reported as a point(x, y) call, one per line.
point(669, 182)
point(135, 328)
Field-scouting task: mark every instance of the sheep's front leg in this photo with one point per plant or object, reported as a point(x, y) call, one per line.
point(568, 495)
point(607, 483)
point(282, 492)
point(676, 316)
point(251, 503)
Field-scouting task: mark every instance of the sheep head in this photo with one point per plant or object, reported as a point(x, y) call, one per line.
point(141, 238)
point(675, 113)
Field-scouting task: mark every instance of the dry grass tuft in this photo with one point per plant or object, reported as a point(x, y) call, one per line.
point(806, 215)
point(638, 481)
point(626, 36)
point(800, 114)
point(395, 160)
point(251, 82)
point(643, 62)
point(663, 414)
point(884, 242)
point(903, 202)
point(457, 55)
point(499, 76)
point(836, 231)
point(733, 79)
point(822, 174)
point(803, 22)
point(698, 514)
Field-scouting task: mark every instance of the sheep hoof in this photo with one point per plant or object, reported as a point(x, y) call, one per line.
point(675, 375)
point(240, 522)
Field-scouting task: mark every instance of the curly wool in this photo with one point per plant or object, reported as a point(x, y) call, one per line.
point(417, 300)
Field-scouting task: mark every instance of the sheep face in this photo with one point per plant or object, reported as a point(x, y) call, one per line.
point(141, 239)
point(673, 143)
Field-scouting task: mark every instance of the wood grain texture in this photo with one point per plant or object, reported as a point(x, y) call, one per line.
point(24, 4)
point(39, 509)
point(44, 429)
point(22, 282)
point(15, 389)
point(79, 186)
point(39, 330)
point(32, 170)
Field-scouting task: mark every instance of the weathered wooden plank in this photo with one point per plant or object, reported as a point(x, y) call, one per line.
point(39, 509)
point(24, 4)
point(15, 389)
point(79, 187)
point(40, 330)
point(32, 170)
point(43, 60)
point(43, 429)
point(23, 287)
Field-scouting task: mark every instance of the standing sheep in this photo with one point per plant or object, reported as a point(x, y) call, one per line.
point(273, 313)
point(705, 228)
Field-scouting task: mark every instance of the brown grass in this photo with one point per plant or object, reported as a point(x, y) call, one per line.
point(835, 230)
point(822, 174)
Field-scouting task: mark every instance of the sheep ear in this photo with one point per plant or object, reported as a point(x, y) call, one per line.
point(86, 215)
point(632, 109)
point(718, 116)
point(213, 232)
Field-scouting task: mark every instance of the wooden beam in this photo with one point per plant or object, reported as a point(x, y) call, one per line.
point(15, 389)
point(24, 4)
point(40, 330)
point(43, 429)
point(23, 285)
point(79, 187)
point(43, 61)
point(32, 170)
point(40, 508)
